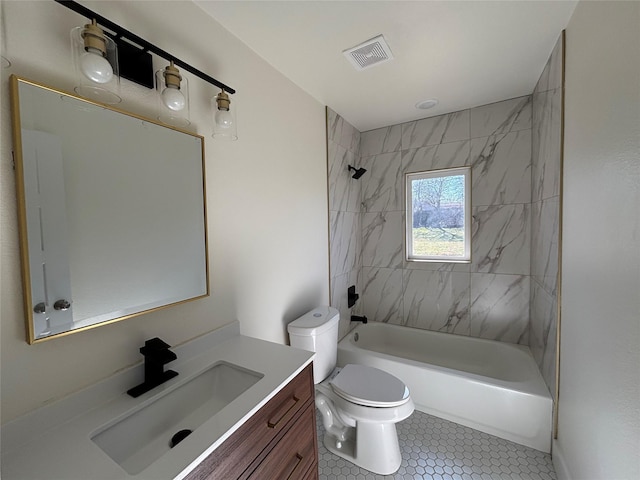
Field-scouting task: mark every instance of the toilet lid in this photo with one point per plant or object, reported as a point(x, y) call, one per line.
point(370, 387)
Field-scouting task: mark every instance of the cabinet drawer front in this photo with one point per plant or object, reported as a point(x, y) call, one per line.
point(286, 405)
point(294, 454)
point(235, 455)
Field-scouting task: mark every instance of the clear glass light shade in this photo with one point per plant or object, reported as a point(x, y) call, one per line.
point(224, 120)
point(97, 75)
point(173, 101)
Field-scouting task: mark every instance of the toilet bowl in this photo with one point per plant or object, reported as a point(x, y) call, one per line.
point(359, 405)
point(359, 416)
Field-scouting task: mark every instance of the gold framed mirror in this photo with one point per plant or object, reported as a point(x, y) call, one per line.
point(112, 212)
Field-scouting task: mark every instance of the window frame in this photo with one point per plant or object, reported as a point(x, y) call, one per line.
point(426, 174)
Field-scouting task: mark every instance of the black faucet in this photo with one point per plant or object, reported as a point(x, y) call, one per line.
point(156, 355)
point(356, 318)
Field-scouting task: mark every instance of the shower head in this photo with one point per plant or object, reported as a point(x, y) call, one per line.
point(357, 172)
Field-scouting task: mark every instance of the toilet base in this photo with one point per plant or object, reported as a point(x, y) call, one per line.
point(381, 454)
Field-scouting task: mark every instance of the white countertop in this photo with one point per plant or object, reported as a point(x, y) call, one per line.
point(38, 446)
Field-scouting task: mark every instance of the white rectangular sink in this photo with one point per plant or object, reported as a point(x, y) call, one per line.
point(141, 438)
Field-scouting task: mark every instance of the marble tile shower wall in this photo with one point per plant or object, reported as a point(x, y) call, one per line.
point(343, 144)
point(488, 298)
point(545, 213)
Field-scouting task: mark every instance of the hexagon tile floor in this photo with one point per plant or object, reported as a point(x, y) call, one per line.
point(436, 449)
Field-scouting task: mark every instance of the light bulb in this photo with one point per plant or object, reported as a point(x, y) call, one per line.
point(95, 67)
point(224, 119)
point(173, 99)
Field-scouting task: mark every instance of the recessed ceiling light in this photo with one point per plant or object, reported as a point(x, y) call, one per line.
point(426, 104)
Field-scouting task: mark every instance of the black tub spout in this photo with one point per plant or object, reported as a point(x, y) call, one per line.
point(357, 318)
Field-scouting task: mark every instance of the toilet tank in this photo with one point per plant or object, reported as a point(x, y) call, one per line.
point(317, 331)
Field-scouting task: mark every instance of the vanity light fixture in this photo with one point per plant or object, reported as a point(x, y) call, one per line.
point(93, 63)
point(173, 95)
point(95, 59)
point(131, 59)
point(224, 121)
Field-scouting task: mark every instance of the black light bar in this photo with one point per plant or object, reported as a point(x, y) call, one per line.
point(135, 63)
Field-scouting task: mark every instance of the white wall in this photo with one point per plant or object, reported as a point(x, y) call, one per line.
point(266, 194)
point(599, 407)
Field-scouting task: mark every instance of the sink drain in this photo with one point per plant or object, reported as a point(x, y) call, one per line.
point(178, 437)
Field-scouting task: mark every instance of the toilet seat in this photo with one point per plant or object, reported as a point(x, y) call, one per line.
point(369, 386)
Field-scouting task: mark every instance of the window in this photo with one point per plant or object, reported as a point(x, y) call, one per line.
point(438, 215)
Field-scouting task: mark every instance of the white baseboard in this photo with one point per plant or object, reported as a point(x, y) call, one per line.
point(559, 463)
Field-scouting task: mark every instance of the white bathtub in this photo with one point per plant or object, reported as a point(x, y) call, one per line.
point(491, 386)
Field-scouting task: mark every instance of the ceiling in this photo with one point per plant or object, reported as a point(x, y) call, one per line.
point(463, 53)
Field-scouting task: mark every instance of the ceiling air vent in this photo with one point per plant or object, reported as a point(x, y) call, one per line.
point(370, 53)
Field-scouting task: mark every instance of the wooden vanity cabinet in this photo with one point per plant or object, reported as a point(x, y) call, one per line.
point(278, 442)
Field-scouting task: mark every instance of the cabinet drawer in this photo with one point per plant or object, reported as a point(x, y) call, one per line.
point(238, 452)
point(294, 454)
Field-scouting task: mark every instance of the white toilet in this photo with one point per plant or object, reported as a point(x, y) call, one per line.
point(360, 405)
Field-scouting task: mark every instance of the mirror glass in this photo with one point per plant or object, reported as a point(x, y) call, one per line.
point(111, 208)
